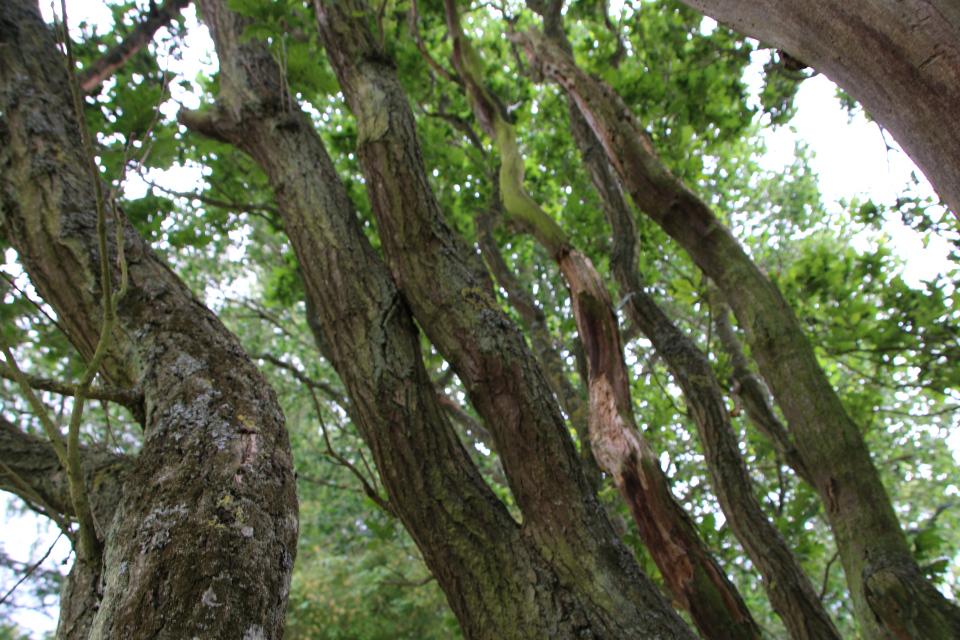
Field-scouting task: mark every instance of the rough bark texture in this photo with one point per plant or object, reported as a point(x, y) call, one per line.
point(540, 339)
point(204, 537)
point(899, 58)
point(861, 516)
point(501, 580)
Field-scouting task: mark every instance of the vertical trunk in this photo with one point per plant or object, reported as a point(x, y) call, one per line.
point(885, 582)
point(899, 59)
point(204, 537)
point(500, 579)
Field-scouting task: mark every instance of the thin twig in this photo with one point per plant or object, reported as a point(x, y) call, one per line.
point(409, 583)
point(129, 398)
point(826, 576)
point(6, 276)
point(22, 489)
point(367, 488)
point(449, 77)
point(31, 570)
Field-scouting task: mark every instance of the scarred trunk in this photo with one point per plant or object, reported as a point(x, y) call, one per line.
point(204, 536)
point(871, 543)
point(671, 538)
point(502, 580)
point(788, 587)
point(540, 339)
point(899, 59)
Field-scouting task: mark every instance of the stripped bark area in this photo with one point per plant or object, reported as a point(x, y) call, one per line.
point(686, 564)
point(213, 487)
point(861, 516)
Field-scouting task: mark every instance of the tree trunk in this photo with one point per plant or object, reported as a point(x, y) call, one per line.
point(204, 537)
point(686, 564)
point(864, 524)
point(899, 59)
point(502, 580)
point(791, 594)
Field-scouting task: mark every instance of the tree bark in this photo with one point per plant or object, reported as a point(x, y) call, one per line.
point(899, 59)
point(500, 578)
point(754, 395)
point(862, 519)
point(540, 339)
point(203, 540)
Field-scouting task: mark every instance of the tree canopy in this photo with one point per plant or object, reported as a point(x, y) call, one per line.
point(553, 349)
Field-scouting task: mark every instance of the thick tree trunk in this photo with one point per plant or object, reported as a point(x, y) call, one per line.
point(204, 537)
point(865, 526)
point(500, 578)
point(540, 339)
point(899, 59)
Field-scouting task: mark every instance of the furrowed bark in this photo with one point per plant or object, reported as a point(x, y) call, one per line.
point(203, 540)
point(669, 535)
point(116, 56)
point(499, 580)
point(865, 526)
point(561, 513)
point(540, 339)
point(899, 59)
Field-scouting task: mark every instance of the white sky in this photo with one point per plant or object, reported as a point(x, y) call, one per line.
point(851, 160)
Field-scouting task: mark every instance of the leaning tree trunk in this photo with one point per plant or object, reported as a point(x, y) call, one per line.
point(204, 537)
point(899, 59)
point(886, 585)
point(791, 594)
point(570, 578)
point(669, 534)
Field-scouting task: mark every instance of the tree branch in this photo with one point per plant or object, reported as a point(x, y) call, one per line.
point(132, 399)
point(118, 55)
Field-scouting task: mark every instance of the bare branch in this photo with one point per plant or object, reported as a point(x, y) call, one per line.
point(132, 399)
point(31, 569)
